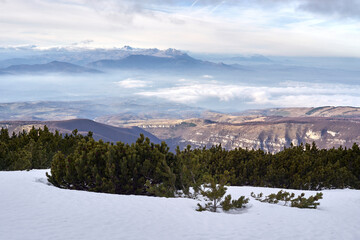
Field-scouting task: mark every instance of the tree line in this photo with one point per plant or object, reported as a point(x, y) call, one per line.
point(35, 149)
point(79, 162)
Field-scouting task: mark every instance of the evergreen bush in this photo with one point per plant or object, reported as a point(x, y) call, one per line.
point(34, 149)
point(151, 169)
point(214, 192)
point(141, 168)
point(303, 202)
point(282, 196)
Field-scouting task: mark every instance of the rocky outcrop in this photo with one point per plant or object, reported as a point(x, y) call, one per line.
point(270, 133)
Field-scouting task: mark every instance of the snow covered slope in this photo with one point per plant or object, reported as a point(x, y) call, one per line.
point(31, 209)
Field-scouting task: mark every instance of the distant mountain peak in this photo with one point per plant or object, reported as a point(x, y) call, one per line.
point(170, 52)
point(127, 48)
point(51, 67)
point(173, 52)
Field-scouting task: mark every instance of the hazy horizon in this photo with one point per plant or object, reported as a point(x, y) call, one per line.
point(273, 27)
point(243, 54)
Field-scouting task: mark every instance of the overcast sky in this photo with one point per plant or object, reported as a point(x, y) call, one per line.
point(269, 27)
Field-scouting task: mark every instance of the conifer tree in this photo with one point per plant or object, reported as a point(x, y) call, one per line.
point(214, 195)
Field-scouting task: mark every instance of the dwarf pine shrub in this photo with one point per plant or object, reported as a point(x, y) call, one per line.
point(282, 196)
point(214, 194)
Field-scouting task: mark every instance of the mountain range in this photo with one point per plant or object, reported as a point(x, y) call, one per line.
point(135, 92)
point(324, 111)
point(129, 109)
point(94, 61)
point(232, 68)
point(100, 131)
point(269, 129)
point(79, 56)
point(179, 61)
point(51, 67)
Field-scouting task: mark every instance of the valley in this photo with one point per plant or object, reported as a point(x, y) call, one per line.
point(270, 130)
point(181, 98)
point(189, 119)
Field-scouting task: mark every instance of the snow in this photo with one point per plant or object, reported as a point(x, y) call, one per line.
point(31, 209)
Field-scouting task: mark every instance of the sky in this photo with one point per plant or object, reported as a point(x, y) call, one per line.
point(268, 27)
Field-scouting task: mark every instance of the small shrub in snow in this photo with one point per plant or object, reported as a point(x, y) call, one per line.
point(283, 196)
point(303, 202)
point(258, 196)
point(228, 204)
point(214, 195)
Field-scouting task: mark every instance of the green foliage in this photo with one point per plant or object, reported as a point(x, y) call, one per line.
point(310, 202)
point(34, 149)
point(60, 168)
point(189, 171)
point(140, 168)
point(283, 196)
point(257, 196)
point(298, 167)
point(229, 204)
point(187, 124)
point(201, 208)
point(214, 192)
point(22, 160)
point(79, 162)
point(280, 196)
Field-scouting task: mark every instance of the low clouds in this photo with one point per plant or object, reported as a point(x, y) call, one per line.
point(285, 95)
point(132, 83)
point(207, 76)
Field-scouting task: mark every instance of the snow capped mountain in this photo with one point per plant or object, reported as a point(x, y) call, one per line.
point(128, 51)
point(76, 59)
point(77, 55)
point(127, 48)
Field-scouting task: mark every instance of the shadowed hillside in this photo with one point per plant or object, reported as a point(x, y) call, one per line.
point(51, 67)
point(269, 129)
point(100, 131)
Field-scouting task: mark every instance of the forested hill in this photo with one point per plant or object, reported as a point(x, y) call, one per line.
point(80, 162)
point(100, 131)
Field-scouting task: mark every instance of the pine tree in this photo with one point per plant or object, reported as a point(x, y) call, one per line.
point(214, 195)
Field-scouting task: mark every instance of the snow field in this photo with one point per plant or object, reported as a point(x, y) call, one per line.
point(33, 210)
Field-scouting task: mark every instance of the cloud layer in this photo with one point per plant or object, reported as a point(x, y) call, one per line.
point(285, 95)
point(132, 83)
point(270, 27)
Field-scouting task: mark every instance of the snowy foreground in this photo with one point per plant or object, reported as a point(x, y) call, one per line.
point(31, 209)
